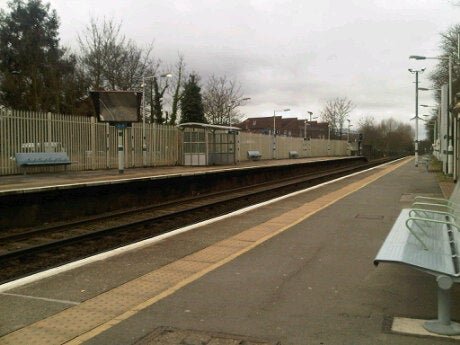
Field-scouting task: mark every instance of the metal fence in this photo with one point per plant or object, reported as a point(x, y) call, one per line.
point(283, 145)
point(91, 145)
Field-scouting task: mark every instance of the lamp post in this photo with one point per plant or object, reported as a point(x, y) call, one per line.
point(328, 139)
point(274, 129)
point(450, 126)
point(427, 89)
point(348, 134)
point(144, 137)
point(305, 123)
point(232, 106)
point(416, 72)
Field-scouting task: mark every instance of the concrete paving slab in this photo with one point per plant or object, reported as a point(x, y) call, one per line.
point(295, 287)
point(312, 284)
point(15, 311)
point(415, 327)
point(172, 336)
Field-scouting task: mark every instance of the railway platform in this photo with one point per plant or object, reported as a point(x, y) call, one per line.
point(296, 270)
point(14, 184)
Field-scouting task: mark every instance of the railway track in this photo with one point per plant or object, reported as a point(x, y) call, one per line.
point(23, 252)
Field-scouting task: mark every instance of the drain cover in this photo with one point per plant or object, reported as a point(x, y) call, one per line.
point(369, 216)
point(174, 336)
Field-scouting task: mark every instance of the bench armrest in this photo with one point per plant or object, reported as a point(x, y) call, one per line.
point(437, 206)
point(426, 220)
point(424, 210)
point(438, 200)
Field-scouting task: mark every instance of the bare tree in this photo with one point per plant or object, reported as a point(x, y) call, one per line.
point(335, 112)
point(449, 47)
point(110, 60)
point(221, 98)
point(387, 137)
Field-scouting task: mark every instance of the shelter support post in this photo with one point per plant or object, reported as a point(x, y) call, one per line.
point(121, 155)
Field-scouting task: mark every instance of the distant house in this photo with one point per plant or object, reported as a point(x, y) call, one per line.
point(290, 127)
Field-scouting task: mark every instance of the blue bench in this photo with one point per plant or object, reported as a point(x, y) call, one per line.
point(30, 159)
point(254, 155)
point(427, 237)
point(293, 154)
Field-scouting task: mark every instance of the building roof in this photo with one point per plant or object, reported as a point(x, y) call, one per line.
point(291, 126)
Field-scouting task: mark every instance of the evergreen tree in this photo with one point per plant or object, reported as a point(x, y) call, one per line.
point(156, 101)
point(191, 102)
point(35, 72)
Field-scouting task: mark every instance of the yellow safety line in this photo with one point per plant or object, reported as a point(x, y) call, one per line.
point(261, 232)
point(98, 330)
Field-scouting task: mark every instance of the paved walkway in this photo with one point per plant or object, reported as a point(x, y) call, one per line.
point(297, 271)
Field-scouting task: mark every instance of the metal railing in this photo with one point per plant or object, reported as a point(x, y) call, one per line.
point(90, 145)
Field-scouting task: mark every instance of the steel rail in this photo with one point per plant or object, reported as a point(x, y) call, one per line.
point(199, 203)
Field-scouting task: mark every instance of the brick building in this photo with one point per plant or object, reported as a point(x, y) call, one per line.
point(291, 127)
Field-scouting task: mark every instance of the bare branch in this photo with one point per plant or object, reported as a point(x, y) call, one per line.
point(221, 99)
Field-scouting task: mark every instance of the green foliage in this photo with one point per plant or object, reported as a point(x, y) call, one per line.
point(191, 103)
point(177, 89)
point(156, 101)
point(35, 72)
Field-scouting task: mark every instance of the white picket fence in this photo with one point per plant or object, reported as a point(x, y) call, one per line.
point(91, 145)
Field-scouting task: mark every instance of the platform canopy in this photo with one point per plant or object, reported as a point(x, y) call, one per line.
point(207, 126)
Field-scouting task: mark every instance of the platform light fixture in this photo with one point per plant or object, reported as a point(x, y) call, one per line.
point(416, 72)
point(233, 105)
point(450, 128)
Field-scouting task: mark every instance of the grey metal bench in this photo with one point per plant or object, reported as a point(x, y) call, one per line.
point(425, 160)
point(293, 154)
point(426, 237)
point(254, 155)
point(29, 159)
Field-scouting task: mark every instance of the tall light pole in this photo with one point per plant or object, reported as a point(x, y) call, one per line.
point(305, 123)
point(328, 139)
point(428, 89)
point(232, 106)
point(274, 129)
point(144, 137)
point(348, 134)
point(416, 72)
point(450, 126)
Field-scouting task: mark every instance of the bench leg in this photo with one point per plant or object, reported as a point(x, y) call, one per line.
point(443, 325)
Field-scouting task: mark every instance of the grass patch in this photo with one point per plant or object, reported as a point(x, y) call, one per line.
point(435, 166)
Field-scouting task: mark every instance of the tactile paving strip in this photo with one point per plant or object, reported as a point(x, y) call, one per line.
point(84, 321)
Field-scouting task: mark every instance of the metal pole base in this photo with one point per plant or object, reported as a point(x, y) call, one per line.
point(435, 326)
point(443, 325)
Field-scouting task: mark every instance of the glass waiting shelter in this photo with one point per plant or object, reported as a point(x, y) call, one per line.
point(204, 144)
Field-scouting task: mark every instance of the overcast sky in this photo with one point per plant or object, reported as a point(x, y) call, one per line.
point(288, 54)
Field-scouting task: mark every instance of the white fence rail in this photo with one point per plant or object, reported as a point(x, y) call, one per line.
point(283, 145)
point(91, 145)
